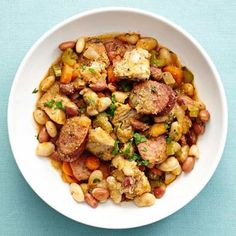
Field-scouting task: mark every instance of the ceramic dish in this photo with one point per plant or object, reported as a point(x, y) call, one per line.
point(39, 173)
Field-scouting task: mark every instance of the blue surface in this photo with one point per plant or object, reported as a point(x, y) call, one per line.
point(212, 23)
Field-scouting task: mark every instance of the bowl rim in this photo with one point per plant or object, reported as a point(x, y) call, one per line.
point(222, 141)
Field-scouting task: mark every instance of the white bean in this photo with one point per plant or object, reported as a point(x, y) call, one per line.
point(95, 177)
point(45, 149)
point(51, 129)
point(169, 164)
point(77, 192)
point(147, 199)
point(40, 117)
point(79, 47)
point(194, 151)
point(46, 83)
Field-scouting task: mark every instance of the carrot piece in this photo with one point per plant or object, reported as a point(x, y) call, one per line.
point(176, 72)
point(67, 169)
point(76, 72)
point(156, 171)
point(68, 179)
point(100, 95)
point(66, 74)
point(92, 162)
point(110, 75)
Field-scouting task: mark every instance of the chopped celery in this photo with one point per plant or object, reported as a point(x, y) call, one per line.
point(69, 57)
point(188, 75)
point(172, 148)
point(193, 111)
point(154, 61)
point(57, 70)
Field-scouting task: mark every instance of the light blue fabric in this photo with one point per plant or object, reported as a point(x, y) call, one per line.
point(212, 23)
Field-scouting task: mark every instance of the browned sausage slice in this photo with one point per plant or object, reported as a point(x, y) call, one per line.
point(72, 138)
point(151, 97)
point(138, 125)
point(153, 150)
point(79, 169)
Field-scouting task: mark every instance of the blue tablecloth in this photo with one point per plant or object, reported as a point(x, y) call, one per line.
point(212, 23)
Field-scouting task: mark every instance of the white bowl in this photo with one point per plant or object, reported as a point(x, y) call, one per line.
point(46, 182)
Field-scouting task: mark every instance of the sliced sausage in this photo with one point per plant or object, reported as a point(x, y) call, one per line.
point(72, 138)
point(156, 73)
point(138, 125)
point(99, 86)
point(116, 48)
point(79, 169)
point(153, 150)
point(67, 89)
point(151, 97)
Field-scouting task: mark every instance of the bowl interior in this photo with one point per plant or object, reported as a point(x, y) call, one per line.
point(46, 181)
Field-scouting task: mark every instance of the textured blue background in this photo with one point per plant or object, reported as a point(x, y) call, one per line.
point(212, 23)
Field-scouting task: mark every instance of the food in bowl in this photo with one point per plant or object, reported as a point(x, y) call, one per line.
point(119, 117)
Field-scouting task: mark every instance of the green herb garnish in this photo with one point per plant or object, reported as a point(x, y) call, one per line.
point(140, 162)
point(127, 149)
point(138, 138)
point(112, 107)
point(35, 90)
point(83, 67)
point(143, 163)
point(59, 105)
point(92, 70)
point(116, 149)
point(49, 103)
point(168, 139)
point(135, 157)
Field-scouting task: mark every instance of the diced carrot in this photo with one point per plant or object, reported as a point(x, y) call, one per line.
point(66, 74)
point(68, 179)
point(176, 72)
point(100, 94)
point(76, 72)
point(92, 162)
point(156, 171)
point(67, 169)
point(110, 75)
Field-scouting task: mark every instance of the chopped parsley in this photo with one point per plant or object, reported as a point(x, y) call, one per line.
point(138, 138)
point(59, 105)
point(140, 162)
point(116, 149)
point(35, 90)
point(92, 70)
point(127, 149)
point(143, 163)
point(49, 103)
point(168, 139)
point(83, 67)
point(112, 107)
point(52, 102)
